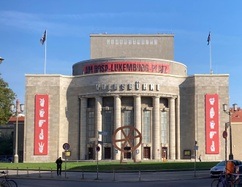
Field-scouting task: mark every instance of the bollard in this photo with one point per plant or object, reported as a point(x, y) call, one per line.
point(114, 175)
point(39, 173)
point(27, 172)
point(139, 176)
point(17, 171)
point(51, 173)
point(82, 174)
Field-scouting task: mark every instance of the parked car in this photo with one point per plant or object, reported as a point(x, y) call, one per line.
point(219, 168)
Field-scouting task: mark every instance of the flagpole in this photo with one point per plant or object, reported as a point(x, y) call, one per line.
point(45, 53)
point(210, 52)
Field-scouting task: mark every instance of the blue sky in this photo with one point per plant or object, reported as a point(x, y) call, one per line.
point(70, 23)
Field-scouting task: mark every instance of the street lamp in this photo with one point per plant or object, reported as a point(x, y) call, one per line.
point(1, 60)
point(230, 112)
point(17, 108)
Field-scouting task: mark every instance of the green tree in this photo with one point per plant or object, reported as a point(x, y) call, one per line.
point(7, 97)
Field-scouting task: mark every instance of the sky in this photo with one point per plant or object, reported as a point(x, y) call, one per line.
point(70, 23)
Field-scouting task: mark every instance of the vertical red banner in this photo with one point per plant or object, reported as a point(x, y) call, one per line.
point(212, 124)
point(41, 125)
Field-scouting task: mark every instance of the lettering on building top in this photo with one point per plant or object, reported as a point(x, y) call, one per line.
point(128, 87)
point(148, 67)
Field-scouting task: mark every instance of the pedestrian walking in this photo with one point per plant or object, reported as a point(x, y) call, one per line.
point(58, 165)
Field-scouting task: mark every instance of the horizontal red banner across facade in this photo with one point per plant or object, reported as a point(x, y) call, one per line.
point(127, 67)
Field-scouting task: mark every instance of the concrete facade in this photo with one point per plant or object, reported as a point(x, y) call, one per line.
point(159, 46)
point(150, 92)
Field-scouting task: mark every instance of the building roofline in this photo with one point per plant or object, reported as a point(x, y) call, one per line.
point(131, 35)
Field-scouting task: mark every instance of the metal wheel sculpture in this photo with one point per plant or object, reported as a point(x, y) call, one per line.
point(130, 136)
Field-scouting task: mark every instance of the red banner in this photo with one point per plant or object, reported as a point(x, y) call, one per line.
point(149, 67)
point(41, 125)
point(212, 124)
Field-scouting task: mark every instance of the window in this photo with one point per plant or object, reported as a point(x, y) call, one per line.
point(146, 127)
point(90, 124)
point(155, 42)
point(164, 127)
point(107, 126)
point(128, 118)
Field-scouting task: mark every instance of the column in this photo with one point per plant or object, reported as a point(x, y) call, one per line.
point(156, 128)
point(98, 122)
point(83, 128)
point(137, 122)
point(172, 142)
point(178, 128)
point(117, 124)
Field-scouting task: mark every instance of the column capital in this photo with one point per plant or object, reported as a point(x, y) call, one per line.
point(135, 96)
point(173, 97)
point(117, 96)
point(157, 96)
point(98, 98)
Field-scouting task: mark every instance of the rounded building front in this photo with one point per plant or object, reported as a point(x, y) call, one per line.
point(117, 92)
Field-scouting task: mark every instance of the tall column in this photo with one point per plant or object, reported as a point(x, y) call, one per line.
point(83, 128)
point(98, 122)
point(137, 121)
point(117, 124)
point(172, 143)
point(178, 128)
point(156, 128)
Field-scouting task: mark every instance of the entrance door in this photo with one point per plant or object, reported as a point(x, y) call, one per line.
point(107, 152)
point(146, 152)
point(90, 153)
point(127, 155)
point(164, 153)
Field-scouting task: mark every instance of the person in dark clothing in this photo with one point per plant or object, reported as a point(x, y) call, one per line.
point(58, 164)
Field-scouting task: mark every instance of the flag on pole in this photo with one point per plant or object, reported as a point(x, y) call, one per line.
point(42, 40)
point(209, 38)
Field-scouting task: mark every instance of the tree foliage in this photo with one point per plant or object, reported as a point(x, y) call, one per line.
point(6, 99)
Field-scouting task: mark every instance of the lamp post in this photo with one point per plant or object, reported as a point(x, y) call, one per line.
point(1, 60)
point(17, 108)
point(230, 112)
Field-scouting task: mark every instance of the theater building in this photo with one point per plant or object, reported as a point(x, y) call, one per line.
point(129, 80)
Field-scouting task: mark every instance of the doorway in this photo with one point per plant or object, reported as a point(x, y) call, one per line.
point(90, 153)
point(146, 152)
point(164, 153)
point(107, 152)
point(127, 153)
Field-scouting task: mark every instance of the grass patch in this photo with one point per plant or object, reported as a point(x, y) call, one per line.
point(110, 166)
